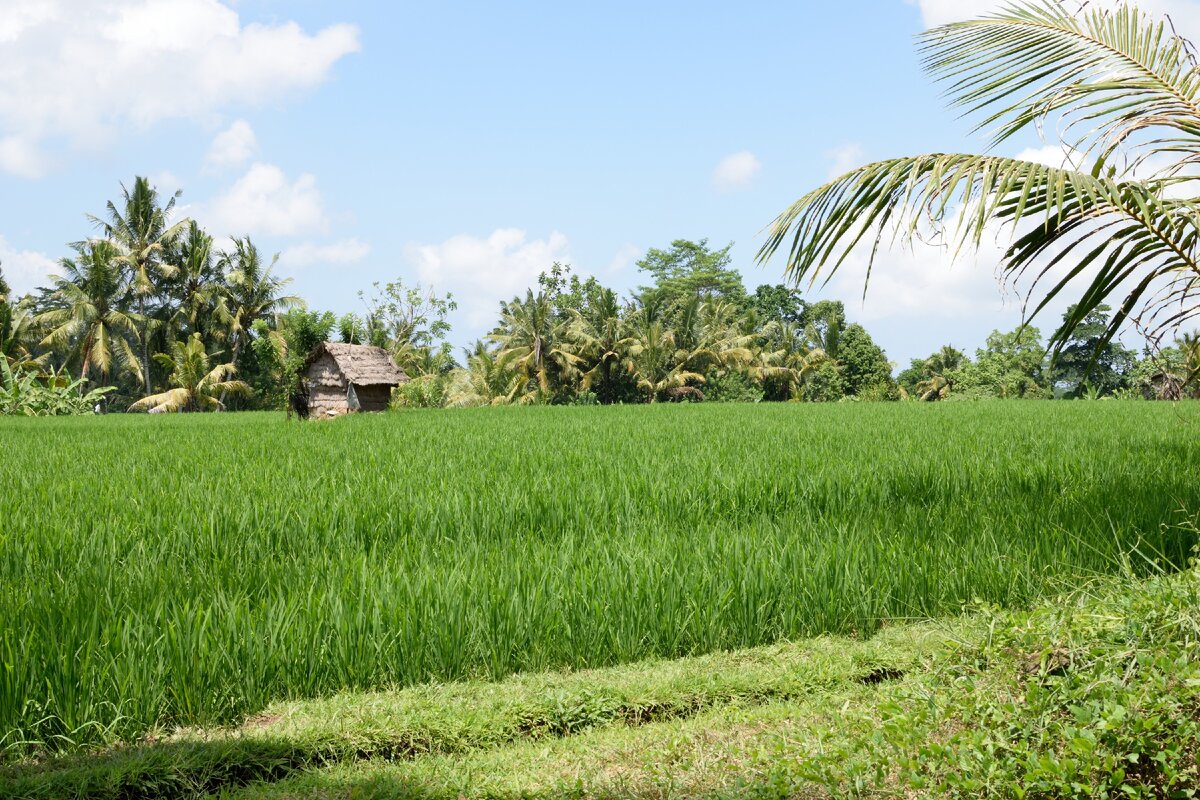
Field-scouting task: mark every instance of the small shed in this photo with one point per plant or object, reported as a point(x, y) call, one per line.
point(345, 378)
point(1163, 386)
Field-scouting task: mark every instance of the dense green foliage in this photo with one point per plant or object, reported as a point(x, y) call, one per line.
point(126, 308)
point(28, 394)
point(218, 563)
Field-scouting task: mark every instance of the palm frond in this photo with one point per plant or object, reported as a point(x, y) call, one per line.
point(1112, 73)
point(1118, 230)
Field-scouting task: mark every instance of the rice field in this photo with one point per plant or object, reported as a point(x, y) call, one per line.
point(191, 570)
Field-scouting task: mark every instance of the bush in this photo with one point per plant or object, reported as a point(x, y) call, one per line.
point(426, 391)
point(50, 395)
point(730, 387)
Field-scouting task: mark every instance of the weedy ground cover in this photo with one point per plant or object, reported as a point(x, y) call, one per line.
point(193, 570)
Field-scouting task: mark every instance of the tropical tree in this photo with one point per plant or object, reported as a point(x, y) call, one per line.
point(1082, 364)
point(688, 270)
point(87, 321)
point(254, 293)
point(1189, 346)
point(16, 330)
point(49, 394)
point(198, 384)
point(486, 380)
point(599, 338)
point(785, 362)
point(143, 232)
point(1011, 365)
point(17, 335)
point(864, 365)
point(534, 343)
point(197, 285)
point(411, 322)
point(1122, 217)
point(933, 378)
point(651, 358)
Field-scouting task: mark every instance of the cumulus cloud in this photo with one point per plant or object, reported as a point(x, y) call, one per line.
point(265, 201)
point(844, 158)
point(346, 251)
point(482, 272)
point(19, 157)
point(736, 171)
point(1184, 13)
point(80, 71)
point(233, 146)
point(625, 257)
point(25, 270)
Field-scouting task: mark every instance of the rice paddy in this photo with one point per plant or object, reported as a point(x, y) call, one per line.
point(192, 570)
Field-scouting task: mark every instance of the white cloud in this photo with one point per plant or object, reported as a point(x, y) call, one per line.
point(844, 158)
point(167, 183)
point(624, 258)
point(25, 270)
point(1184, 13)
point(736, 171)
point(346, 251)
point(19, 157)
point(1059, 156)
point(265, 201)
point(482, 272)
point(921, 282)
point(80, 71)
point(233, 146)
point(925, 295)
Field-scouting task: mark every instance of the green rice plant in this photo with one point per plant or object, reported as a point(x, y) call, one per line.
point(157, 572)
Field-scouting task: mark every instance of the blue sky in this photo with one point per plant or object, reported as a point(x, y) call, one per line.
point(469, 145)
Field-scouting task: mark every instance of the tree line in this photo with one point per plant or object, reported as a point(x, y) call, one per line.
point(148, 314)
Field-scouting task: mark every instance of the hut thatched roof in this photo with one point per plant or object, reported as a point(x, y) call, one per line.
point(362, 364)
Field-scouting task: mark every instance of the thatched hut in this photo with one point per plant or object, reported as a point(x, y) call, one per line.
point(345, 378)
point(1163, 386)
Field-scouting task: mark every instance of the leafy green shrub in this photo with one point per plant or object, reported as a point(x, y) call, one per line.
point(426, 391)
point(53, 395)
point(730, 387)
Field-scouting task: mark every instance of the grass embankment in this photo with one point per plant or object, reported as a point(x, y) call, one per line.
point(192, 570)
point(1092, 695)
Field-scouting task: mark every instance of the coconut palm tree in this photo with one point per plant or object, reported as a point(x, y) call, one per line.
point(651, 358)
point(1189, 347)
point(938, 369)
point(16, 330)
point(197, 284)
point(1122, 216)
point(88, 322)
point(533, 342)
point(785, 361)
point(601, 342)
point(143, 231)
point(254, 292)
point(198, 385)
point(17, 333)
point(487, 380)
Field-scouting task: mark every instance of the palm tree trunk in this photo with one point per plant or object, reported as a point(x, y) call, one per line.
point(237, 350)
point(146, 377)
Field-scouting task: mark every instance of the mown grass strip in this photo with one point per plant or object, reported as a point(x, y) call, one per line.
point(462, 718)
point(1094, 696)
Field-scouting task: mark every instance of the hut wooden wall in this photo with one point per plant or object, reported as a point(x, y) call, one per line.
point(374, 398)
point(323, 399)
point(326, 388)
